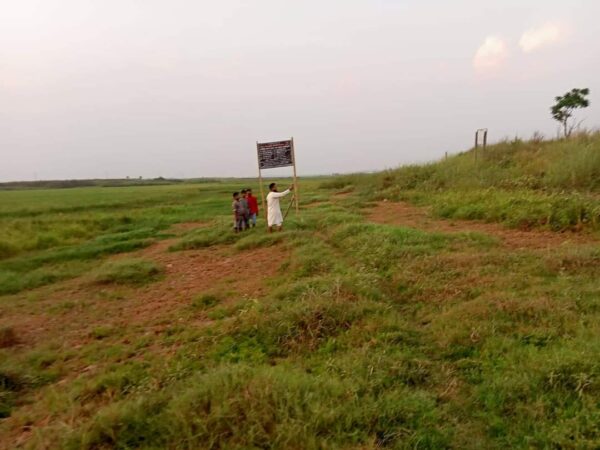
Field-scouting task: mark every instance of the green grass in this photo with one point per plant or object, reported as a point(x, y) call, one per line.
point(523, 184)
point(255, 239)
point(205, 301)
point(128, 271)
point(281, 408)
point(516, 209)
point(207, 237)
point(361, 335)
point(10, 384)
point(14, 281)
point(563, 165)
point(49, 235)
point(22, 373)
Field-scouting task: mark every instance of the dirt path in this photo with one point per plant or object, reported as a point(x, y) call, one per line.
point(401, 213)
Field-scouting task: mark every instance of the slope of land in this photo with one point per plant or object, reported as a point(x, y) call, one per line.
point(553, 185)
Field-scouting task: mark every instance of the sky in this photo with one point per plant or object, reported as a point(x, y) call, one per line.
point(182, 88)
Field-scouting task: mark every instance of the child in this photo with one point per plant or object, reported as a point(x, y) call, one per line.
point(246, 215)
point(238, 216)
point(252, 206)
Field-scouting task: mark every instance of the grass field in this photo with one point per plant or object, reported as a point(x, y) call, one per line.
point(523, 184)
point(132, 317)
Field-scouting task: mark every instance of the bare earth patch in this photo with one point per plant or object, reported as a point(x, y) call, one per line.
point(187, 273)
point(196, 271)
point(404, 214)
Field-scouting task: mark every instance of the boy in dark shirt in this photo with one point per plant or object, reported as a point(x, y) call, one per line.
point(238, 213)
point(246, 211)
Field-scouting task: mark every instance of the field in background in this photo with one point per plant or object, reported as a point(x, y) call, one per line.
point(133, 317)
point(49, 235)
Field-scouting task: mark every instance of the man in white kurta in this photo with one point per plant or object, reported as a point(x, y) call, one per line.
point(274, 216)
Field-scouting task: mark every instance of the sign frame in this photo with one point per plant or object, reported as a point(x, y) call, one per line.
point(260, 169)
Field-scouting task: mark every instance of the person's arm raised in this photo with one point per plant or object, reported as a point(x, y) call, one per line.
point(280, 194)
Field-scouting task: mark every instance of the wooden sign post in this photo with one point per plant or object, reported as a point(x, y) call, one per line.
point(480, 132)
point(295, 178)
point(260, 182)
point(276, 154)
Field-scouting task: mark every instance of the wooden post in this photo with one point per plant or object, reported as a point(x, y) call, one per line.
point(295, 179)
point(262, 188)
point(476, 144)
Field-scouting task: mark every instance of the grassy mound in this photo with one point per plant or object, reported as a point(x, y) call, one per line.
point(128, 271)
point(561, 165)
point(523, 184)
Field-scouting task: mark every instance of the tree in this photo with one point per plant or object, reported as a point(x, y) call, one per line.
point(565, 105)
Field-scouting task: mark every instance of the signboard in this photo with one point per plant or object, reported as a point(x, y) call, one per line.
point(275, 154)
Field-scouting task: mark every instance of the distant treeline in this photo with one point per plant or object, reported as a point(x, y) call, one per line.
point(117, 182)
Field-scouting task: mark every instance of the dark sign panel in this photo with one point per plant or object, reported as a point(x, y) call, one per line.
point(275, 154)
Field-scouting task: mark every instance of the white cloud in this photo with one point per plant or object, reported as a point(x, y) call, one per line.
point(536, 38)
point(491, 54)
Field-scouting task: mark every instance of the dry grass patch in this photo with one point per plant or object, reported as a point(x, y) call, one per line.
point(8, 337)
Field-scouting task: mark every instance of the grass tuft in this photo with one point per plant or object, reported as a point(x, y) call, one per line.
point(259, 239)
point(206, 237)
point(205, 301)
point(128, 271)
point(7, 249)
point(280, 408)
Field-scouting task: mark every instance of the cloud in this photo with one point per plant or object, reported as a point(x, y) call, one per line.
point(491, 54)
point(537, 38)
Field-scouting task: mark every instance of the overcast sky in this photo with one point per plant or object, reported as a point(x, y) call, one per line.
point(182, 88)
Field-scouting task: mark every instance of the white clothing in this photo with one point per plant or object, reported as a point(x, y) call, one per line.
point(274, 216)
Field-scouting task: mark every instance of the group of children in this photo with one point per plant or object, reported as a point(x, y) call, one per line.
point(245, 210)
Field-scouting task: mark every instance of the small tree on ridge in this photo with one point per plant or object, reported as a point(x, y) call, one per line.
point(565, 105)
